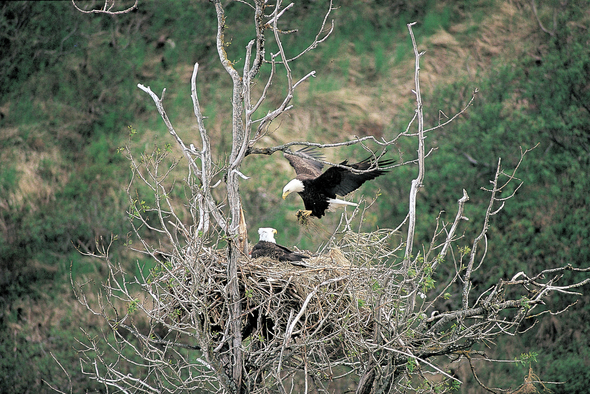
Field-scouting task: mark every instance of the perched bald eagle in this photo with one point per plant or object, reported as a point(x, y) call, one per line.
point(318, 190)
point(267, 246)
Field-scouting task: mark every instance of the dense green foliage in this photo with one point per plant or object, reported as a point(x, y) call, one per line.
point(68, 94)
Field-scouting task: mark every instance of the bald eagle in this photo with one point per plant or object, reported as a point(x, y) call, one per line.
point(318, 190)
point(268, 247)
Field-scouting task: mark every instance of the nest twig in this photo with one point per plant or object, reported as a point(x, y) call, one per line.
point(327, 292)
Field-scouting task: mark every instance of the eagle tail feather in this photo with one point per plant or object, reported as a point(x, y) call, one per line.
point(337, 203)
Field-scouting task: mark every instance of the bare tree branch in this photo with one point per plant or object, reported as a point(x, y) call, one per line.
point(107, 8)
point(550, 32)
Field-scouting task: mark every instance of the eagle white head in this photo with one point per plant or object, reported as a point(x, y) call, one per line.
point(293, 186)
point(267, 234)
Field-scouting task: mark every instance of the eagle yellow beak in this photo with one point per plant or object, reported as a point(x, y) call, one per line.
point(275, 231)
point(285, 194)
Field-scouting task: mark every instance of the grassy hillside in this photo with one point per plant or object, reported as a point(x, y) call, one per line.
point(69, 95)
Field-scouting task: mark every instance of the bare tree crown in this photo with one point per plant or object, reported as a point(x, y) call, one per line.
point(366, 307)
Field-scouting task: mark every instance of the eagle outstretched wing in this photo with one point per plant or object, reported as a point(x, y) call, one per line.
point(306, 167)
point(341, 181)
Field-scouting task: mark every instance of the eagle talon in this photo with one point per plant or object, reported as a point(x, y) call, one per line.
point(304, 213)
point(303, 216)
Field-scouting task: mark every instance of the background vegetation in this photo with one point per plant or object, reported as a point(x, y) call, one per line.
point(68, 96)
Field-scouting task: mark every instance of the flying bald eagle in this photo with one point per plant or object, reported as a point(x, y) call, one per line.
point(267, 246)
point(318, 190)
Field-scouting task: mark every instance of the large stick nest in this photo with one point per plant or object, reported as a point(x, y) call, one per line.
point(324, 295)
point(326, 285)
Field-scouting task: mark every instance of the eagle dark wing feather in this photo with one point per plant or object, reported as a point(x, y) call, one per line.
point(306, 166)
point(341, 181)
point(275, 251)
point(288, 255)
